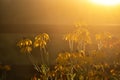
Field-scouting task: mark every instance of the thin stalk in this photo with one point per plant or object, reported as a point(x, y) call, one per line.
point(33, 62)
point(72, 45)
point(42, 61)
point(47, 56)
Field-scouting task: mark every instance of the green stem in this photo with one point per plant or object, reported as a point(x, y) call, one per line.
point(42, 61)
point(47, 56)
point(33, 62)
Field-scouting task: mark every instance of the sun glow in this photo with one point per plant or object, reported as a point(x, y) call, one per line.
point(106, 2)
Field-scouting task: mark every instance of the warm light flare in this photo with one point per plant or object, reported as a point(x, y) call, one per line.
point(106, 2)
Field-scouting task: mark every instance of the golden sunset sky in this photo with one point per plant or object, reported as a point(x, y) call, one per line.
point(57, 12)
